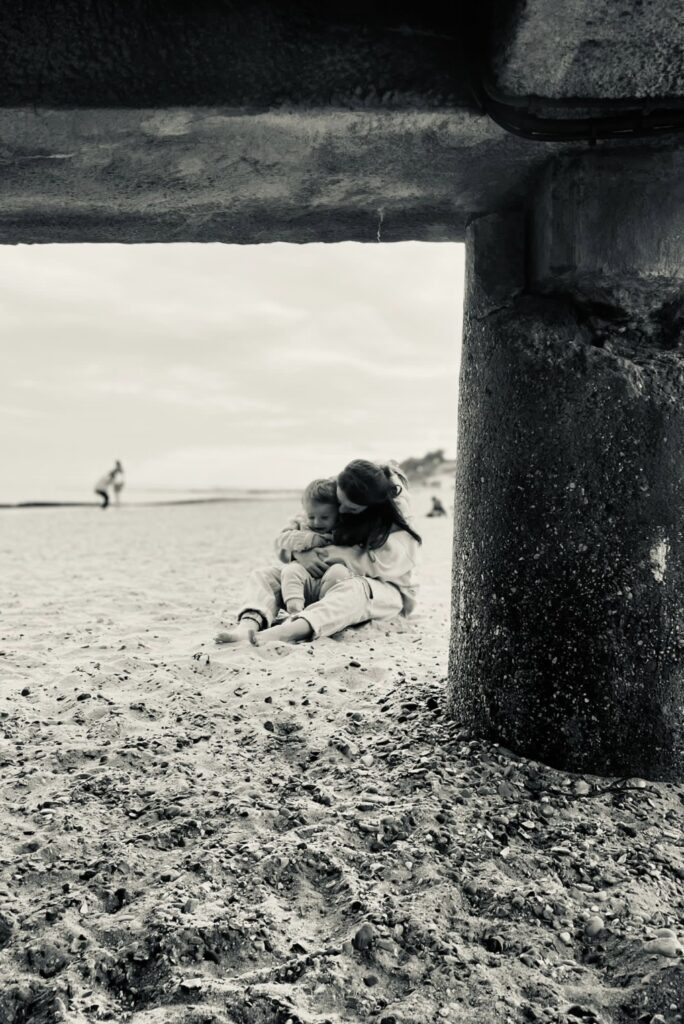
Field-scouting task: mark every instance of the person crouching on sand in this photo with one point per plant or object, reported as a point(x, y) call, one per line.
point(370, 573)
point(102, 486)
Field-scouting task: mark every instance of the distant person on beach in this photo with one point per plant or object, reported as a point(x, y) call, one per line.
point(368, 574)
point(310, 529)
point(437, 507)
point(117, 481)
point(109, 480)
point(102, 488)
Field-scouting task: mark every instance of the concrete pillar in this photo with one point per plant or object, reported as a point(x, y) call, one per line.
point(568, 597)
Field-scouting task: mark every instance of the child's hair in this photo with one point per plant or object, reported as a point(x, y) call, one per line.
point(366, 483)
point(323, 492)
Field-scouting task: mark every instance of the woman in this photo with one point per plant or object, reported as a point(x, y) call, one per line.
point(371, 571)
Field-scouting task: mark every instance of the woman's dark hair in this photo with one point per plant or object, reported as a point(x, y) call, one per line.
point(366, 483)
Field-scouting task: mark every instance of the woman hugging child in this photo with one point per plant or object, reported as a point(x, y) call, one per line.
point(350, 557)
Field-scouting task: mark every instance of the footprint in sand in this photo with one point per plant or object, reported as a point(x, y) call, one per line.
point(272, 651)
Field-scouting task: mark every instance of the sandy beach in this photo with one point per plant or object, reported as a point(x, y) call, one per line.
point(204, 835)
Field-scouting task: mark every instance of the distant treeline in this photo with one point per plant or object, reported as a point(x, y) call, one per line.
point(427, 466)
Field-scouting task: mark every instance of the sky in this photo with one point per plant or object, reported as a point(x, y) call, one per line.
point(202, 366)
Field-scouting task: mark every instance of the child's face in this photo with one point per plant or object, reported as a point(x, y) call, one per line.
point(322, 517)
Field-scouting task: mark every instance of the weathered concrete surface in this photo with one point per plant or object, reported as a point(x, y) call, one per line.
point(611, 49)
point(217, 53)
point(219, 175)
point(161, 122)
point(609, 214)
point(568, 601)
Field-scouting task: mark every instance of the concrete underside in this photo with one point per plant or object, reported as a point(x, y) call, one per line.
point(150, 122)
point(232, 176)
point(599, 48)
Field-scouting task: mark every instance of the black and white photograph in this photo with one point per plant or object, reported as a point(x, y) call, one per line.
point(342, 512)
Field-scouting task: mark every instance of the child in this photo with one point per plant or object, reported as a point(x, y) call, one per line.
point(437, 507)
point(312, 528)
point(291, 585)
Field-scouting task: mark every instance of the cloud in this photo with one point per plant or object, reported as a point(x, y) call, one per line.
point(188, 386)
point(242, 361)
point(293, 360)
point(17, 412)
point(209, 402)
point(259, 465)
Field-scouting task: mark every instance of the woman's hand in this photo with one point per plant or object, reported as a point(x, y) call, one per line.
point(334, 555)
point(320, 540)
point(314, 562)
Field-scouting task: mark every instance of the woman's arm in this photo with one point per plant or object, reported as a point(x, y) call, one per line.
point(314, 563)
point(398, 555)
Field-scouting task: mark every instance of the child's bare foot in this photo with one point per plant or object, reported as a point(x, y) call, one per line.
point(243, 633)
point(289, 632)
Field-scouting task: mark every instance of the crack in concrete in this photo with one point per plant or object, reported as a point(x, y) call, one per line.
point(46, 156)
point(481, 317)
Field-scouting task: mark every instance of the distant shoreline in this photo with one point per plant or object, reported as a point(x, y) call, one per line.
point(221, 497)
point(254, 496)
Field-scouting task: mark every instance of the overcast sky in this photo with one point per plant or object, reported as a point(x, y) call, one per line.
point(222, 366)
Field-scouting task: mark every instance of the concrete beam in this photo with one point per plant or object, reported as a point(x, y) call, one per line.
point(627, 195)
point(162, 122)
point(226, 175)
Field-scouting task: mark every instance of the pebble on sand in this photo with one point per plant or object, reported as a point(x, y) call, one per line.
point(364, 937)
point(664, 946)
point(594, 925)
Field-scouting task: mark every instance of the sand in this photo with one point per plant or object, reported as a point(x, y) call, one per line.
point(241, 836)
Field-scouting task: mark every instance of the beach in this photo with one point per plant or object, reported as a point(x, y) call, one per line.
point(196, 834)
